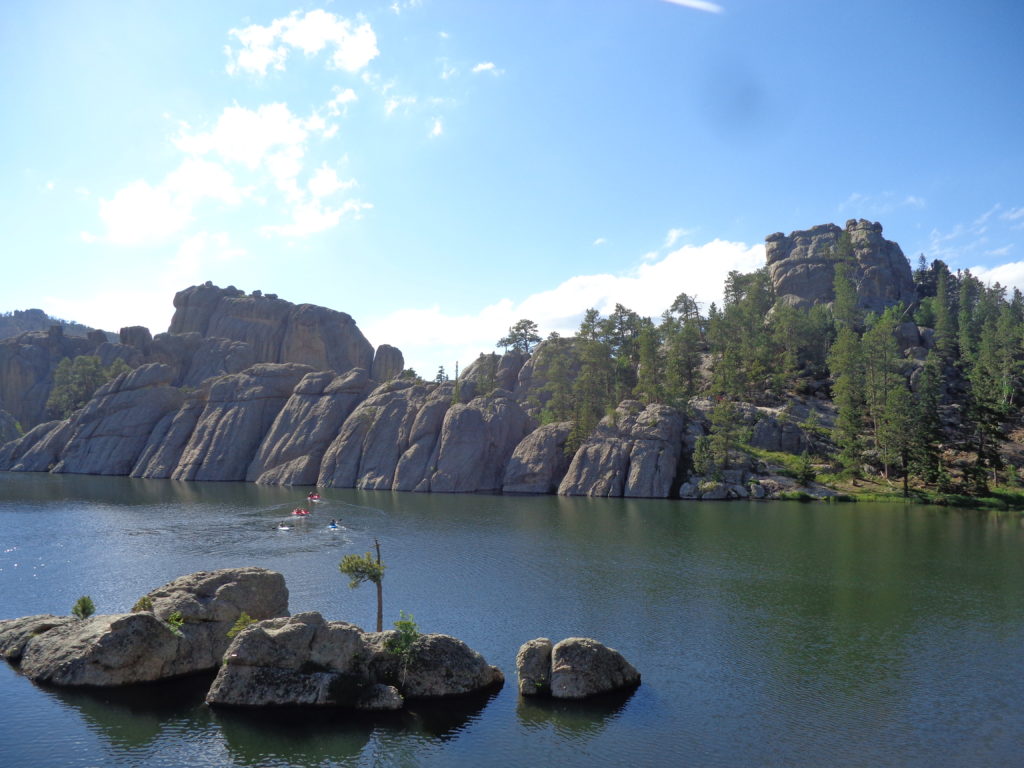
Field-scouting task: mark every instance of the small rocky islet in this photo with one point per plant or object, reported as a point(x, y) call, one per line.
point(191, 625)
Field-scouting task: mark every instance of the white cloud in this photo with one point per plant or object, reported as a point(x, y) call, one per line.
point(311, 216)
point(877, 205)
point(263, 47)
point(673, 235)
point(1013, 214)
point(392, 104)
point(336, 106)
point(600, 241)
point(698, 5)
point(325, 182)
point(246, 136)
point(438, 128)
point(197, 251)
point(140, 214)
point(1010, 274)
point(429, 337)
point(487, 66)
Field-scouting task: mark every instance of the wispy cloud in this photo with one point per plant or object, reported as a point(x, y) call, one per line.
point(487, 66)
point(600, 241)
point(878, 204)
point(673, 235)
point(698, 5)
point(437, 129)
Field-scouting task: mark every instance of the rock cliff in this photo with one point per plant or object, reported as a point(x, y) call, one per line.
point(802, 266)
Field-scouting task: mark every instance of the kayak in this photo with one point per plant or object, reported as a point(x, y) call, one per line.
point(300, 512)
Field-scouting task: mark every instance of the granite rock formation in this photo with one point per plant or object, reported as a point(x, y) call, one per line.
point(305, 660)
point(633, 453)
point(574, 668)
point(802, 266)
point(121, 649)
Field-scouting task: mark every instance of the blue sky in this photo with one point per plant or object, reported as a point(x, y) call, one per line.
point(439, 169)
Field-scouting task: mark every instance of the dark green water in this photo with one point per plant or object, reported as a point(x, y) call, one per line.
point(771, 634)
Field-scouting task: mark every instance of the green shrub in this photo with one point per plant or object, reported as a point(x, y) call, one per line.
point(174, 621)
point(144, 603)
point(83, 607)
point(402, 643)
point(244, 620)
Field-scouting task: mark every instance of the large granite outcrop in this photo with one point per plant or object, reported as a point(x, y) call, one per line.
point(110, 432)
point(802, 266)
point(238, 413)
point(574, 668)
point(277, 330)
point(477, 440)
point(292, 450)
point(121, 649)
point(634, 452)
point(9, 428)
point(305, 660)
point(539, 462)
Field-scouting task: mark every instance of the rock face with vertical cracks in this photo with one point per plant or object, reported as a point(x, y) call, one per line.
point(634, 453)
point(110, 432)
point(237, 415)
point(539, 462)
point(300, 435)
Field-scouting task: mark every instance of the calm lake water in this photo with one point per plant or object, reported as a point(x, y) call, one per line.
point(767, 634)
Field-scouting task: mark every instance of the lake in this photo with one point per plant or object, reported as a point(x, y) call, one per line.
point(768, 634)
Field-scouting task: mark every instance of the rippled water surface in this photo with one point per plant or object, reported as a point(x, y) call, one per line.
point(774, 634)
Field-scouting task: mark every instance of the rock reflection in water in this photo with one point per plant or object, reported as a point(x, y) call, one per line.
point(573, 719)
point(135, 716)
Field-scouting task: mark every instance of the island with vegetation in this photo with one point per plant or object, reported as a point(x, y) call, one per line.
point(835, 371)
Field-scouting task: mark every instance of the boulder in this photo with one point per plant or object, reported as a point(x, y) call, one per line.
point(167, 441)
point(292, 450)
point(442, 665)
point(138, 647)
point(802, 266)
point(533, 667)
point(15, 633)
point(578, 667)
point(539, 462)
point(305, 660)
point(634, 453)
point(40, 448)
point(388, 363)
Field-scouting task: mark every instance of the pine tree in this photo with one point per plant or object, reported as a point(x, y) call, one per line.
point(846, 368)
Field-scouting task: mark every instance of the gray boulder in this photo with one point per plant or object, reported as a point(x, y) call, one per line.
point(533, 667)
point(138, 647)
point(578, 667)
point(539, 462)
point(15, 633)
point(388, 362)
point(634, 453)
point(305, 660)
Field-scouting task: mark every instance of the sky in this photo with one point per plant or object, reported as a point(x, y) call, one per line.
point(439, 169)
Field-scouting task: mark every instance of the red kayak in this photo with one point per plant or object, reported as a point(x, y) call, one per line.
point(300, 512)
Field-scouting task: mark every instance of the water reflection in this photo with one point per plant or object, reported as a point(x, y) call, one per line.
point(137, 716)
point(446, 718)
point(576, 720)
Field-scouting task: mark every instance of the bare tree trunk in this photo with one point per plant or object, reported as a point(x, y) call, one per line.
point(380, 593)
